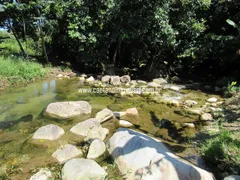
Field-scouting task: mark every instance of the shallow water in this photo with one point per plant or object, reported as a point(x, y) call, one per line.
point(21, 114)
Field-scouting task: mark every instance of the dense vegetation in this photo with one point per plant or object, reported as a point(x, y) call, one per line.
point(161, 37)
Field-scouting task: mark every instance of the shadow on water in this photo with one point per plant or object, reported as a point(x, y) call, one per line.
point(8, 124)
point(184, 170)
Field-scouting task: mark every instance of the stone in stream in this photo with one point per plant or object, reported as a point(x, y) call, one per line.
point(190, 103)
point(49, 132)
point(66, 153)
point(212, 100)
point(125, 79)
point(104, 115)
point(141, 82)
point(124, 123)
point(90, 79)
point(115, 80)
point(96, 149)
point(153, 84)
point(90, 129)
point(82, 169)
point(160, 81)
point(43, 174)
point(64, 110)
point(139, 156)
point(106, 79)
point(175, 88)
point(132, 112)
point(206, 117)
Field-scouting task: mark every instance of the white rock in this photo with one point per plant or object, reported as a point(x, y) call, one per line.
point(153, 84)
point(132, 112)
point(139, 156)
point(96, 149)
point(90, 129)
point(141, 82)
point(66, 153)
point(195, 111)
point(64, 110)
point(232, 177)
point(175, 88)
point(124, 123)
point(81, 79)
point(190, 103)
point(115, 80)
point(212, 100)
point(59, 76)
point(119, 114)
point(90, 79)
point(125, 79)
point(190, 125)
point(133, 82)
point(106, 79)
point(82, 169)
point(43, 174)
point(160, 81)
point(49, 132)
point(206, 117)
point(104, 115)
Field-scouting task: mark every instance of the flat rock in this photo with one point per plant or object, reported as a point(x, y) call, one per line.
point(132, 112)
point(96, 149)
point(82, 169)
point(124, 123)
point(64, 110)
point(115, 80)
point(90, 129)
point(49, 132)
point(160, 81)
point(141, 82)
point(175, 88)
point(212, 100)
point(125, 79)
point(206, 117)
point(139, 156)
point(190, 103)
point(43, 174)
point(154, 84)
point(106, 79)
point(104, 115)
point(66, 153)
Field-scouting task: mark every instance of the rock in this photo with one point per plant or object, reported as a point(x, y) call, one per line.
point(125, 79)
point(133, 82)
point(43, 174)
point(141, 82)
point(175, 88)
point(212, 100)
point(64, 110)
point(83, 75)
point(66, 153)
point(190, 125)
point(190, 103)
point(194, 111)
point(126, 124)
point(90, 129)
point(232, 177)
point(49, 132)
point(132, 112)
point(119, 114)
point(83, 169)
point(160, 81)
point(106, 79)
point(96, 149)
point(81, 79)
point(115, 80)
point(153, 84)
point(90, 79)
point(104, 115)
point(206, 117)
point(59, 76)
point(139, 156)
point(174, 103)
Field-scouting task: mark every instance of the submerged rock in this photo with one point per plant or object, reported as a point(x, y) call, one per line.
point(90, 129)
point(66, 153)
point(43, 174)
point(96, 149)
point(139, 156)
point(49, 132)
point(104, 115)
point(83, 169)
point(64, 110)
point(125, 79)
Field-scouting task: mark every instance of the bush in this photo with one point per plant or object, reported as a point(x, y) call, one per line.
point(223, 149)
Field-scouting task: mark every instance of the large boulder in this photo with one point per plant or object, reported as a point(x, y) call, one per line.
point(125, 79)
point(64, 110)
point(106, 79)
point(139, 156)
point(49, 132)
point(66, 153)
point(96, 149)
point(104, 115)
point(90, 129)
point(115, 80)
point(42, 174)
point(82, 169)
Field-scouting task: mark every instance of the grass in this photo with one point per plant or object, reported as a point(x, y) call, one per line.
point(223, 149)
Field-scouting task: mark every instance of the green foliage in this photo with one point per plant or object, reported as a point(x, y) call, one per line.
point(232, 89)
point(223, 149)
